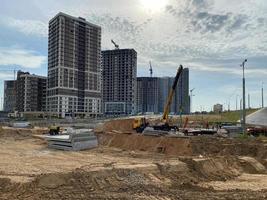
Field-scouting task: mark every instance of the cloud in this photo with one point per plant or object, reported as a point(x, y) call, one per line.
point(28, 27)
point(21, 57)
point(7, 75)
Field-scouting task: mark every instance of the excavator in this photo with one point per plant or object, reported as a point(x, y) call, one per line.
point(140, 124)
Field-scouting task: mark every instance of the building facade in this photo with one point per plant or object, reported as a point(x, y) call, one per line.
point(9, 96)
point(147, 94)
point(30, 92)
point(74, 67)
point(119, 81)
point(153, 92)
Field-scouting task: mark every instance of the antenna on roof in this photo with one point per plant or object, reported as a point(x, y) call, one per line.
point(116, 45)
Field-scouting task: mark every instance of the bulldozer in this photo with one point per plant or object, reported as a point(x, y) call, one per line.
point(140, 124)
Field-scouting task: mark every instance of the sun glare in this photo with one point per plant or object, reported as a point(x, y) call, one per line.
point(154, 5)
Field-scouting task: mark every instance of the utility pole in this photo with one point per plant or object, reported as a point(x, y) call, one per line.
point(262, 96)
point(249, 101)
point(191, 99)
point(244, 98)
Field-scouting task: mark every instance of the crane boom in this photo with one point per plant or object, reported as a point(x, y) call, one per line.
point(170, 97)
point(116, 45)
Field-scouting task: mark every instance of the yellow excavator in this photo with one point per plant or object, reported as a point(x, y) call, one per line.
point(140, 124)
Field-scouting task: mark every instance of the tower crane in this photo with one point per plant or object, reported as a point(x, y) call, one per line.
point(150, 69)
point(116, 45)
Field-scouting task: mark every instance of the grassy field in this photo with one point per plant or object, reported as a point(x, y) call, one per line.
point(229, 116)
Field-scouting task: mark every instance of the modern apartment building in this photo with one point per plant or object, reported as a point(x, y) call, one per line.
point(74, 67)
point(147, 94)
point(30, 92)
point(9, 96)
point(119, 81)
point(153, 92)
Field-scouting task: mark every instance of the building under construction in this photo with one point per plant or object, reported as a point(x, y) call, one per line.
point(9, 95)
point(30, 92)
point(152, 94)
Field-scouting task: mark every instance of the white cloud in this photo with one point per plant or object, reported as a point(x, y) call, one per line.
point(21, 57)
point(28, 27)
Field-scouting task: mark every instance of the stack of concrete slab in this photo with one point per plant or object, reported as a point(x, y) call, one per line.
point(75, 141)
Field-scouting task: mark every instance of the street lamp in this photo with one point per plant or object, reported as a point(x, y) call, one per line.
point(191, 99)
point(244, 97)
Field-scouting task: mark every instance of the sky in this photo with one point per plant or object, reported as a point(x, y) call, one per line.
point(210, 37)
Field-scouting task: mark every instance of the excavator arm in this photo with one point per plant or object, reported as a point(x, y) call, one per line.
point(170, 97)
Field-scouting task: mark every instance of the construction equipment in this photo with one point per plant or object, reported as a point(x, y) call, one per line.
point(54, 130)
point(141, 123)
point(116, 45)
point(164, 125)
point(150, 69)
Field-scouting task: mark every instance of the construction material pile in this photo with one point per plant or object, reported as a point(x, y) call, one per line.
point(75, 140)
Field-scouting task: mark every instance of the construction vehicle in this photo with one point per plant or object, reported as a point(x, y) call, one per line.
point(141, 123)
point(54, 130)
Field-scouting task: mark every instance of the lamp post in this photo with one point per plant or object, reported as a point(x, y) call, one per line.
point(244, 98)
point(262, 96)
point(191, 99)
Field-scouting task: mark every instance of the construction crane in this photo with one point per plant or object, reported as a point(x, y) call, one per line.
point(150, 69)
point(165, 117)
point(140, 124)
point(116, 45)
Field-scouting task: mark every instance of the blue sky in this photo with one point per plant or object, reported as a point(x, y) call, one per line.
point(211, 37)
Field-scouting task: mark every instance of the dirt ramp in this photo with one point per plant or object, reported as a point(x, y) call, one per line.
point(121, 125)
point(168, 146)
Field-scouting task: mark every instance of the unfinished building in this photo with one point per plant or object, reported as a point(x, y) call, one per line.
point(147, 94)
point(9, 96)
point(152, 94)
point(30, 92)
point(119, 81)
point(74, 69)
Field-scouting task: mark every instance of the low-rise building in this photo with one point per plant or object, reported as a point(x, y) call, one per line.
point(218, 108)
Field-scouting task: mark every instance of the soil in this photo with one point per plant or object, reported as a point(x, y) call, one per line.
point(131, 166)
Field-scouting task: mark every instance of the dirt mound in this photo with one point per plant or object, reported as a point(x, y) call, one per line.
point(165, 182)
point(226, 146)
point(19, 134)
point(168, 146)
point(122, 125)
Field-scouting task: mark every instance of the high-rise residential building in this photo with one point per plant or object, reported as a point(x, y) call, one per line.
point(119, 81)
point(181, 100)
point(30, 92)
point(147, 94)
point(153, 92)
point(74, 67)
point(9, 96)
